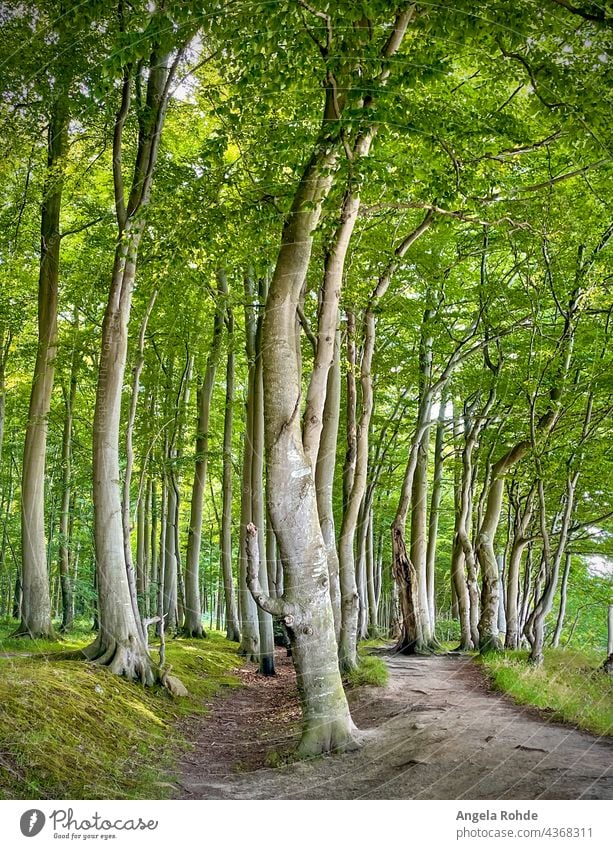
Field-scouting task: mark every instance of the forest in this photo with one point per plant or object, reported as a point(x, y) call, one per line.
point(306, 391)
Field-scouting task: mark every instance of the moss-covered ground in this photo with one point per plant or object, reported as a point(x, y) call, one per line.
point(570, 686)
point(71, 730)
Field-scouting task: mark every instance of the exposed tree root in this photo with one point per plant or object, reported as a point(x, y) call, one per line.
point(323, 738)
point(195, 633)
point(41, 634)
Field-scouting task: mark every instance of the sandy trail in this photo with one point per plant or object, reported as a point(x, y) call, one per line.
point(437, 732)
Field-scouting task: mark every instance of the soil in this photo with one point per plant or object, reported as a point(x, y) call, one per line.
point(436, 732)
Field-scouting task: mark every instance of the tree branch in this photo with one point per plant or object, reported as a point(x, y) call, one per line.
point(275, 606)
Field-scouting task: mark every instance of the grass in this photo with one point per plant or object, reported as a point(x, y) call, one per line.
point(370, 671)
point(569, 686)
point(71, 730)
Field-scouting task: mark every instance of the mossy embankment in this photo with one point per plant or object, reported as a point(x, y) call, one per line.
point(71, 730)
point(569, 686)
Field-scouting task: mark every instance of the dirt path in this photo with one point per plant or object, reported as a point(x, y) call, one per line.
point(437, 732)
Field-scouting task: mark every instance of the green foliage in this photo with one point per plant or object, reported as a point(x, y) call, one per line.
point(570, 687)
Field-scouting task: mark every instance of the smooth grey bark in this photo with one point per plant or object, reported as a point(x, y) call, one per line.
point(292, 497)
point(435, 502)
point(171, 611)
point(65, 546)
point(419, 490)
point(292, 500)
point(324, 478)
point(6, 337)
point(535, 625)
point(541, 428)
point(231, 611)
point(193, 606)
point(521, 522)
point(265, 627)
point(126, 517)
point(142, 558)
point(153, 548)
point(373, 585)
point(36, 602)
point(119, 644)
point(555, 642)
point(463, 566)
point(250, 634)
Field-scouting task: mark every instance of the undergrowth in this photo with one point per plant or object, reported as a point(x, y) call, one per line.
point(71, 730)
point(369, 671)
point(569, 686)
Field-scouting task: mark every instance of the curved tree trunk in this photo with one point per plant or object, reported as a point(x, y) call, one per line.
point(306, 605)
point(119, 644)
point(36, 602)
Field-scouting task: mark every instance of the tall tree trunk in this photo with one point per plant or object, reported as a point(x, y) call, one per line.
point(232, 623)
point(305, 606)
point(65, 548)
point(488, 625)
point(324, 478)
point(555, 642)
point(126, 517)
point(120, 645)
point(171, 612)
point(291, 453)
point(522, 519)
point(5, 345)
point(373, 585)
point(435, 502)
point(535, 626)
point(267, 642)
point(250, 634)
point(36, 602)
point(193, 613)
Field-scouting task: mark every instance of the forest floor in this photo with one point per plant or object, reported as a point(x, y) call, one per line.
point(436, 731)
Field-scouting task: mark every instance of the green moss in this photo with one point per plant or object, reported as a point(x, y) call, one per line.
point(370, 671)
point(569, 685)
point(70, 730)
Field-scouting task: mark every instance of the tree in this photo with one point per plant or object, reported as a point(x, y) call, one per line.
point(119, 644)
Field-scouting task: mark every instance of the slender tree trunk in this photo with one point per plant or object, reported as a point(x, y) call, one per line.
point(193, 614)
point(521, 523)
point(153, 548)
point(371, 580)
point(5, 345)
point(65, 553)
point(563, 599)
point(324, 479)
point(126, 517)
point(435, 502)
point(232, 623)
point(250, 634)
point(120, 644)
point(36, 603)
point(267, 642)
